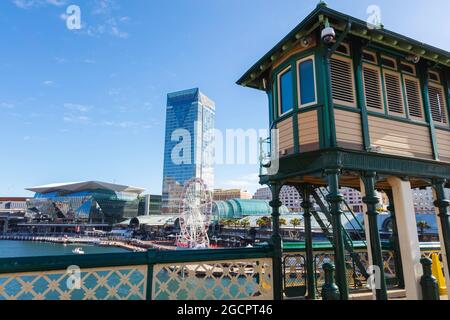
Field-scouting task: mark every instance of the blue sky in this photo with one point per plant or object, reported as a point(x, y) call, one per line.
point(90, 104)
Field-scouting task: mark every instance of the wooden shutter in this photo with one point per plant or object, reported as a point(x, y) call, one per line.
point(413, 97)
point(372, 87)
point(438, 104)
point(342, 81)
point(394, 96)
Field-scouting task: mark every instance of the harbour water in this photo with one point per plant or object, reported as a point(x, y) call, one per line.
point(9, 249)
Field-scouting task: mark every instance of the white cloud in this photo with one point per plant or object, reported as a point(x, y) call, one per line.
point(110, 24)
point(249, 181)
point(76, 119)
point(77, 107)
point(48, 83)
point(28, 4)
point(7, 105)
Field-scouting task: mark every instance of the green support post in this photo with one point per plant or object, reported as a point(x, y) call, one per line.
point(424, 80)
point(277, 242)
point(371, 200)
point(395, 241)
point(430, 288)
point(310, 273)
point(329, 99)
point(358, 71)
point(330, 290)
point(444, 217)
point(151, 261)
point(335, 199)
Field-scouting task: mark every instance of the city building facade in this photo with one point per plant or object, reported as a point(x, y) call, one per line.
point(227, 194)
point(189, 142)
point(151, 205)
point(89, 201)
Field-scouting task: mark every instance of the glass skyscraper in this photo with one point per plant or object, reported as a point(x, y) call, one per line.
point(189, 144)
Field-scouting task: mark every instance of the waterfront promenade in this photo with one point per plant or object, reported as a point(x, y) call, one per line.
point(131, 245)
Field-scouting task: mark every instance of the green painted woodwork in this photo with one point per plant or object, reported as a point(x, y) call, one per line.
point(442, 203)
point(395, 241)
point(276, 242)
point(151, 256)
point(447, 91)
point(372, 200)
point(305, 192)
point(296, 107)
point(26, 264)
point(360, 95)
point(430, 288)
point(390, 41)
point(330, 291)
point(423, 76)
point(335, 199)
point(311, 163)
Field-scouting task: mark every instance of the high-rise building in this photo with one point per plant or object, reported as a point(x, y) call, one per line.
point(289, 197)
point(227, 194)
point(189, 144)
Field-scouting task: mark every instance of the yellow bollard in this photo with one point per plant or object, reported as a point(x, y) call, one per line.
point(438, 274)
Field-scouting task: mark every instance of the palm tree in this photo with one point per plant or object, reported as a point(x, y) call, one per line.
point(223, 222)
point(296, 222)
point(422, 225)
point(245, 223)
point(282, 222)
point(262, 222)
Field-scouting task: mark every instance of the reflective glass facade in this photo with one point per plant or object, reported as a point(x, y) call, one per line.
point(188, 152)
point(104, 206)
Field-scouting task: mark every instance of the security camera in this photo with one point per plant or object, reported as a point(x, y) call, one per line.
point(413, 58)
point(306, 42)
point(328, 35)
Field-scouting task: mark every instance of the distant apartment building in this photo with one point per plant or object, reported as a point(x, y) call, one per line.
point(227, 194)
point(263, 194)
point(423, 200)
point(13, 203)
point(292, 200)
point(151, 205)
point(288, 196)
point(188, 151)
point(353, 198)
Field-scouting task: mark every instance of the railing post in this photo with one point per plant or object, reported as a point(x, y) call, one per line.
point(330, 290)
point(335, 199)
point(442, 204)
point(395, 241)
point(430, 289)
point(151, 261)
point(305, 191)
point(277, 242)
point(371, 200)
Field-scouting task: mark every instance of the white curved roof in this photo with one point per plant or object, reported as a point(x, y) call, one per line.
point(85, 185)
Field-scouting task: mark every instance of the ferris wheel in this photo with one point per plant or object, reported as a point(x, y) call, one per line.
point(195, 215)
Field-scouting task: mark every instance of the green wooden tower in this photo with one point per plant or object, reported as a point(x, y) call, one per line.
point(357, 105)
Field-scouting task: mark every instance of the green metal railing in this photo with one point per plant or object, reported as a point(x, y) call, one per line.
point(295, 285)
point(223, 274)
